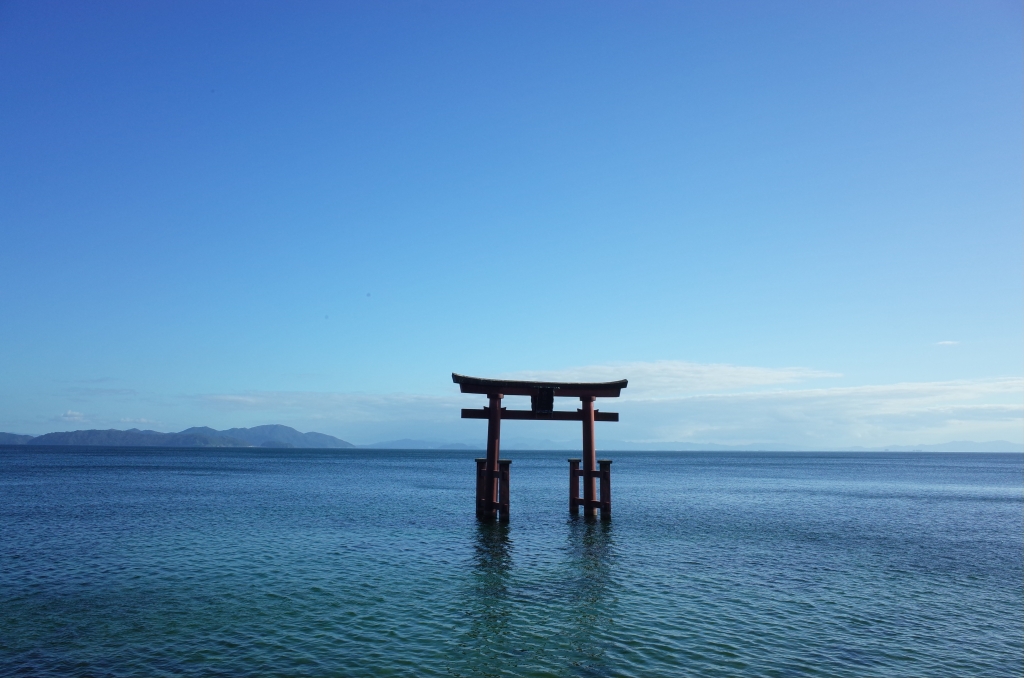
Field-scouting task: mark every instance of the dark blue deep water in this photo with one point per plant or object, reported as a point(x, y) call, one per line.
point(370, 563)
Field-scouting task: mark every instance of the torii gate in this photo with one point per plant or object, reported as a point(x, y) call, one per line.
point(492, 472)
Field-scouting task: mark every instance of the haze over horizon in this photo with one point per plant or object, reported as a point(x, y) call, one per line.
point(784, 224)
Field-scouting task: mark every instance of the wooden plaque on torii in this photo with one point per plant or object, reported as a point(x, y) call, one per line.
point(492, 472)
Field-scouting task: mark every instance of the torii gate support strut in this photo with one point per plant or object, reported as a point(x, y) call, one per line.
point(492, 472)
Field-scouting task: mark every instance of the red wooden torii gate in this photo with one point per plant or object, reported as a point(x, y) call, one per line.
point(492, 472)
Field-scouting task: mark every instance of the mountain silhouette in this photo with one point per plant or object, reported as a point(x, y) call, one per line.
point(273, 435)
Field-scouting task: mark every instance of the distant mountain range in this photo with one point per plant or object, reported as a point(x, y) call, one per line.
point(14, 439)
point(277, 436)
point(272, 435)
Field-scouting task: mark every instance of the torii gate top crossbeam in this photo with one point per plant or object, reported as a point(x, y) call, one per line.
point(563, 389)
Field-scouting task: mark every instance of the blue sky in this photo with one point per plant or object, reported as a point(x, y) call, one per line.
point(796, 223)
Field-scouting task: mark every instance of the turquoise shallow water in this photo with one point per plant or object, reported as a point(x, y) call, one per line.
point(370, 563)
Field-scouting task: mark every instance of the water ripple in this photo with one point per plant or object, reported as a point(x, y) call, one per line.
point(301, 563)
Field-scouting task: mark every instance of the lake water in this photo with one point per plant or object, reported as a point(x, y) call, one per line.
point(371, 563)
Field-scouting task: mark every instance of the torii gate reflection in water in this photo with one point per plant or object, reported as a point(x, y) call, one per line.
point(492, 472)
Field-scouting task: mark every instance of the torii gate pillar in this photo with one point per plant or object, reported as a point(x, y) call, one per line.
point(488, 494)
point(589, 457)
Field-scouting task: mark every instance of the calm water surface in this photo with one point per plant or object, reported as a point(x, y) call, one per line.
point(370, 563)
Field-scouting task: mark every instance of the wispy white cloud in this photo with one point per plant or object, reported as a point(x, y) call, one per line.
point(667, 401)
point(830, 417)
point(674, 378)
point(345, 407)
point(356, 417)
point(911, 413)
